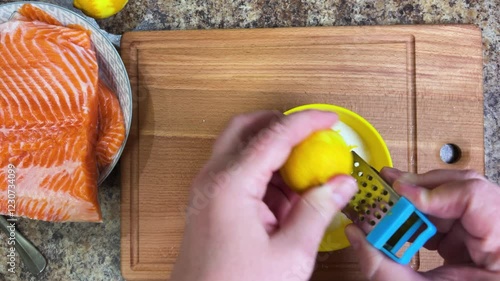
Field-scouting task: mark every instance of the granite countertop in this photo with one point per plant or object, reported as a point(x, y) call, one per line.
point(83, 251)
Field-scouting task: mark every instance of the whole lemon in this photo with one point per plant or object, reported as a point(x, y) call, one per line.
point(100, 9)
point(315, 160)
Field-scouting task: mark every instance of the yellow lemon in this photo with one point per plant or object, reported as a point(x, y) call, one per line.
point(315, 160)
point(100, 9)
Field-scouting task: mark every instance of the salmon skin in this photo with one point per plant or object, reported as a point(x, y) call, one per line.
point(49, 127)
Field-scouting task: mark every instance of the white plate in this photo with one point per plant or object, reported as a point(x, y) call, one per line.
point(111, 67)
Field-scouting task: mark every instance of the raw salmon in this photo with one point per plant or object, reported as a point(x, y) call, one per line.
point(111, 127)
point(111, 123)
point(48, 120)
point(31, 13)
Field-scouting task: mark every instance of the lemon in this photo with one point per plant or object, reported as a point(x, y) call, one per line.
point(315, 160)
point(100, 9)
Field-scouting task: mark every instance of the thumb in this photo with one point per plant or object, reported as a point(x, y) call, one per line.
point(310, 216)
point(374, 264)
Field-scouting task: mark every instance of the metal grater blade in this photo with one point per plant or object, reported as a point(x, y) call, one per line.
point(374, 198)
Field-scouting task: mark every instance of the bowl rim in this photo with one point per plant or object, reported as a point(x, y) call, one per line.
point(98, 32)
point(347, 112)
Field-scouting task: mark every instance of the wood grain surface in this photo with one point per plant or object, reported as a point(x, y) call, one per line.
point(420, 86)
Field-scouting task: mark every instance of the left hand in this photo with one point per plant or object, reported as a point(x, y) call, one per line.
point(243, 223)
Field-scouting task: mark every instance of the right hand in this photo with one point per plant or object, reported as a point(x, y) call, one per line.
point(243, 222)
point(465, 208)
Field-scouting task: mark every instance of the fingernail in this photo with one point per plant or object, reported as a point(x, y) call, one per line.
point(408, 179)
point(392, 172)
point(408, 187)
point(343, 189)
point(352, 236)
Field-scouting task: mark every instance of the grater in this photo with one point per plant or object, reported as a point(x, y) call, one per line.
point(388, 219)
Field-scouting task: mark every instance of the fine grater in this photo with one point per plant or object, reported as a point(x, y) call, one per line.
point(388, 219)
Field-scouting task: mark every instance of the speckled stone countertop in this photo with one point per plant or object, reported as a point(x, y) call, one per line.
point(80, 251)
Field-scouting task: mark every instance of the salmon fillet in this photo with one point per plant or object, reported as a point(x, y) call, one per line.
point(31, 13)
point(111, 123)
point(48, 120)
point(111, 127)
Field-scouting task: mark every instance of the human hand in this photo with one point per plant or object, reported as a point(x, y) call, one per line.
point(243, 223)
point(464, 207)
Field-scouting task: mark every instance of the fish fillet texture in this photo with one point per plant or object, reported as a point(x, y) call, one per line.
point(111, 127)
point(49, 107)
point(30, 13)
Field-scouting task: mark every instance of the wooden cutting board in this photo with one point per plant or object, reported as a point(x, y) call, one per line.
point(420, 86)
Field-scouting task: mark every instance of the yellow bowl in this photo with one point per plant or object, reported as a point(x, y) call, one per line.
point(368, 143)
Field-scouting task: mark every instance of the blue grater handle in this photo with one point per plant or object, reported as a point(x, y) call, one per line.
point(397, 216)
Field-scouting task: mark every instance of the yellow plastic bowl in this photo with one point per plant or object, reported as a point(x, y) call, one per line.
point(378, 153)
